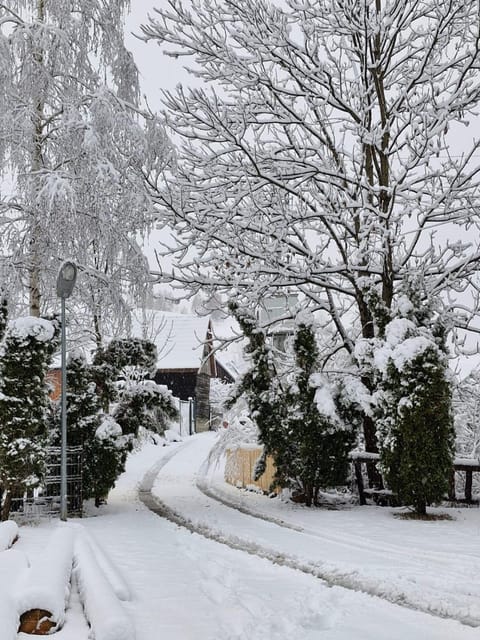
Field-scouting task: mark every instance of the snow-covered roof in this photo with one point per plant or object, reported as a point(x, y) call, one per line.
point(179, 338)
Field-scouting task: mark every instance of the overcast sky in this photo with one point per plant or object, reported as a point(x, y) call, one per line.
point(157, 71)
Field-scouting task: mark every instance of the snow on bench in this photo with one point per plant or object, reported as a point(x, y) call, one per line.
point(12, 564)
point(102, 607)
point(45, 586)
point(8, 534)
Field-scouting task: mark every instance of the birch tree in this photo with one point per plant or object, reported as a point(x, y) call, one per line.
point(73, 141)
point(316, 155)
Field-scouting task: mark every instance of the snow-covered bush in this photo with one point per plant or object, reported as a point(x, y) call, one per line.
point(105, 454)
point(25, 355)
point(145, 404)
point(241, 431)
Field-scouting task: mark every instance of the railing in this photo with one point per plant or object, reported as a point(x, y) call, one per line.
point(466, 465)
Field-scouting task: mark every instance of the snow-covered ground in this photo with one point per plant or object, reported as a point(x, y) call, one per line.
point(184, 586)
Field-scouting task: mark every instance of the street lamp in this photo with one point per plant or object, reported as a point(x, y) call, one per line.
point(65, 283)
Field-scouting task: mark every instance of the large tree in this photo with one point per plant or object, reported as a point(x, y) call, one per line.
point(316, 154)
point(74, 145)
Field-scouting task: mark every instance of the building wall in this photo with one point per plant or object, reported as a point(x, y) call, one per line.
point(202, 402)
point(54, 380)
point(181, 383)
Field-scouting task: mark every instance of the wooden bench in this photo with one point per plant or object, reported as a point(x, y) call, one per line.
point(385, 496)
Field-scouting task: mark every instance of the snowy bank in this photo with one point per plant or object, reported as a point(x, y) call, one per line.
point(8, 534)
point(102, 608)
point(12, 565)
point(46, 585)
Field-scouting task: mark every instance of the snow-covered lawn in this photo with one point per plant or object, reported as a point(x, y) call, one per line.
point(184, 586)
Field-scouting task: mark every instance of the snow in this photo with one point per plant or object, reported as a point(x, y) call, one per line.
point(186, 585)
point(8, 533)
point(12, 564)
point(102, 608)
point(31, 327)
point(323, 397)
point(109, 428)
point(179, 337)
point(399, 348)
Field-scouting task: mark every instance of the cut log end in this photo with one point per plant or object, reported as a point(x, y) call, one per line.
point(36, 622)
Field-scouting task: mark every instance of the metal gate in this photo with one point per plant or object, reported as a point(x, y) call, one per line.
point(187, 417)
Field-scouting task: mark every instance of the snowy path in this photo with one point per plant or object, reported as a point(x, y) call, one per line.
point(186, 587)
point(380, 555)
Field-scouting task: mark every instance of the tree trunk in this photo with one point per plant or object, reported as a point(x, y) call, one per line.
point(421, 508)
point(5, 513)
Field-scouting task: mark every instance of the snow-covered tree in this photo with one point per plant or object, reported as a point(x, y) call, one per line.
point(25, 355)
point(105, 454)
point(76, 147)
point(145, 404)
point(414, 405)
point(317, 151)
point(83, 402)
point(319, 440)
point(266, 397)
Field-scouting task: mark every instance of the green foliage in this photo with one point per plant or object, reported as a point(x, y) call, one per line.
point(109, 362)
point(105, 455)
point(26, 352)
point(91, 389)
point(415, 423)
point(310, 449)
point(267, 400)
point(320, 440)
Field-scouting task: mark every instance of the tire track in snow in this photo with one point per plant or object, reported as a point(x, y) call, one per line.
point(351, 581)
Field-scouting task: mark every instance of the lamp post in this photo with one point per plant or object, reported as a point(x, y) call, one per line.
point(65, 283)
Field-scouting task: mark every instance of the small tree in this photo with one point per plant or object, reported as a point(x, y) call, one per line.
point(83, 402)
point(25, 356)
point(105, 453)
point(321, 441)
point(415, 424)
point(267, 398)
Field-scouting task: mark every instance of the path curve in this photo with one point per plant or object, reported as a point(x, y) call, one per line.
point(330, 577)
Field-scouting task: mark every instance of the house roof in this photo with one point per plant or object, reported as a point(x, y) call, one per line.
point(179, 338)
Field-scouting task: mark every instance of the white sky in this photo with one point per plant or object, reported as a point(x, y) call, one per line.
point(157, 71)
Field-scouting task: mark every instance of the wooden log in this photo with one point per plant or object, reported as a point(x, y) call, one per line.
point(36, 622)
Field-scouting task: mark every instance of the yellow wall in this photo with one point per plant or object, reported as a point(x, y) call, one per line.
point(240, 465)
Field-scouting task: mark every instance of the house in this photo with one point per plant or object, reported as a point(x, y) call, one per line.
point(186, 360)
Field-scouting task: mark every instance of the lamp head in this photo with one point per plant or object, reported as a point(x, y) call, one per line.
point(67, 276)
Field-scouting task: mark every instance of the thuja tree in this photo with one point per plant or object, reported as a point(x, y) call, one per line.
point(25, 355)
point(319, 438)
point(322, 144)
point(104, 447)
point(415, 422)
point(267, 398)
